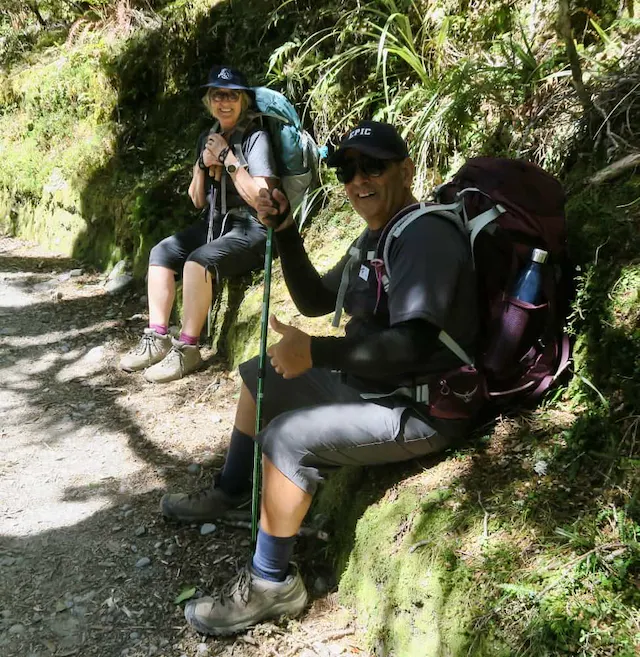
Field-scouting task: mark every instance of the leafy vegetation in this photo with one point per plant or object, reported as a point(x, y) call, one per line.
point(530, 544)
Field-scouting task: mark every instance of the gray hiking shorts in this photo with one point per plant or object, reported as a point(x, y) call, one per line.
point(316, 421)
point(238, 250)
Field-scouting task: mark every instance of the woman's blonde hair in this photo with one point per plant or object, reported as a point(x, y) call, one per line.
point(245, 101)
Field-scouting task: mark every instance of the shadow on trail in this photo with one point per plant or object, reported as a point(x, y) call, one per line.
point(86, 594)
point(59, 376)
point(44, 265)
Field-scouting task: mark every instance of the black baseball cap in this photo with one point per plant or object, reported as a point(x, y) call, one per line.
point(226, 77)
point(372, 138)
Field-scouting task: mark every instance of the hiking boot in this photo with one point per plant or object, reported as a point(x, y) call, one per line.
point(208, 504)
point(182, 359)
point(151, 349)
point(246, 600)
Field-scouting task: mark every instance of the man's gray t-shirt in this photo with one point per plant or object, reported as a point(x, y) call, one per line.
point(432, 279)
point(257, 151)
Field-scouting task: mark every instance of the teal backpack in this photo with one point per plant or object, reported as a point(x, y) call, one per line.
point(296, 153)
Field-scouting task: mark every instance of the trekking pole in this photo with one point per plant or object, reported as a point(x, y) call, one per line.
point(215, 172)
point(262, 368)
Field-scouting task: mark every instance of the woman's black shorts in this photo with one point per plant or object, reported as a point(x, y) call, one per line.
point(238, 249)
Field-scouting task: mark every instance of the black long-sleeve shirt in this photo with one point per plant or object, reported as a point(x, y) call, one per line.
point(371, 353)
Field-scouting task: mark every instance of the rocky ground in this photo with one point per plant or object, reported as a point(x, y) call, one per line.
point(87, 566)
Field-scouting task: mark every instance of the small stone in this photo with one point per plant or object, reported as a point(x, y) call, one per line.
point(16, 629)
point(170, 550)
point(116, 528)
point(134, 548)
point(128, 513)
point(76, 272)
point(65, 348)
point(143, 562)
point(134, 635)
point(202, 649)
point(5, 613)
point(7, 561)
point(143, 298)
point(207, 528)
point(119, 268)
point(118, 284)
point(157, 545)
point(126, 507)
point(194, 468)
point(64, 277)
point(140, 530)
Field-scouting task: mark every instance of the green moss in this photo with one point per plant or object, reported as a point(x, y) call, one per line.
point(402, 579)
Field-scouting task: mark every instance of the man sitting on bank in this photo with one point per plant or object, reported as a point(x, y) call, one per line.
point(316, 419)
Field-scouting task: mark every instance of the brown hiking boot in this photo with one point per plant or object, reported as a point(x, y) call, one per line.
point(151, 349)
point(208, 504)
point(246, 600)
point(182, 359)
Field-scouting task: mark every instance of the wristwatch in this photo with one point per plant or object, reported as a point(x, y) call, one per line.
point(231, 168)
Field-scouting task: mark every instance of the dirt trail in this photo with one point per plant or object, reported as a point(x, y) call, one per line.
point(87, 566)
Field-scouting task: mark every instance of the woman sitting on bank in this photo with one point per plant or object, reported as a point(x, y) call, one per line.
point(203, 254)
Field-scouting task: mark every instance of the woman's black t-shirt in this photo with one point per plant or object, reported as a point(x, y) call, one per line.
point(257, 151)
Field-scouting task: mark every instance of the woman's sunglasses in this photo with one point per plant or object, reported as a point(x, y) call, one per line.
point(369, 166)
point(221, 96)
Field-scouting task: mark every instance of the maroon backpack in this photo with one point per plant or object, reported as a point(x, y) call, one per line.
point(507, 208)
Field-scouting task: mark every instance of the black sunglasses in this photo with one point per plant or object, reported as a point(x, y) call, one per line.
point(220, 96)
point(369, 166)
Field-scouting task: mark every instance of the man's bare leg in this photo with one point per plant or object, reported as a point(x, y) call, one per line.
point(246, 413)
point(284, 505)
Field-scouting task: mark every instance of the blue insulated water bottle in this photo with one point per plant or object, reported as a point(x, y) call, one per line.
point(529, 283)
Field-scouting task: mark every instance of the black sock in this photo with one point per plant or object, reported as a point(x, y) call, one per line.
point(235, 477)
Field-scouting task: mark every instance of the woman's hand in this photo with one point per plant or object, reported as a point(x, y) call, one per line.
point(216, 143)
point(273, 209)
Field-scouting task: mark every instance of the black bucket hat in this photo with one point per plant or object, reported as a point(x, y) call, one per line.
point(372, 138)
point(226, 77)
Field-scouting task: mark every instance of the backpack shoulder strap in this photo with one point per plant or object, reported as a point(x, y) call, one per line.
point(449, 211)
point(355, 253)
point(237, 138)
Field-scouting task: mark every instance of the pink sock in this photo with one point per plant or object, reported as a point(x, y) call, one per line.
point(188, 339)
point(160, 329)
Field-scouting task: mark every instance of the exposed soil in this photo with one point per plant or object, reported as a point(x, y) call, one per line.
point(86, 452)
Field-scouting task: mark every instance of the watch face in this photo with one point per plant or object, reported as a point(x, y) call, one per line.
point(232, 168)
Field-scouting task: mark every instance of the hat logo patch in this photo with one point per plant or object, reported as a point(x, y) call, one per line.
point(360, 132)
point(225, 74)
